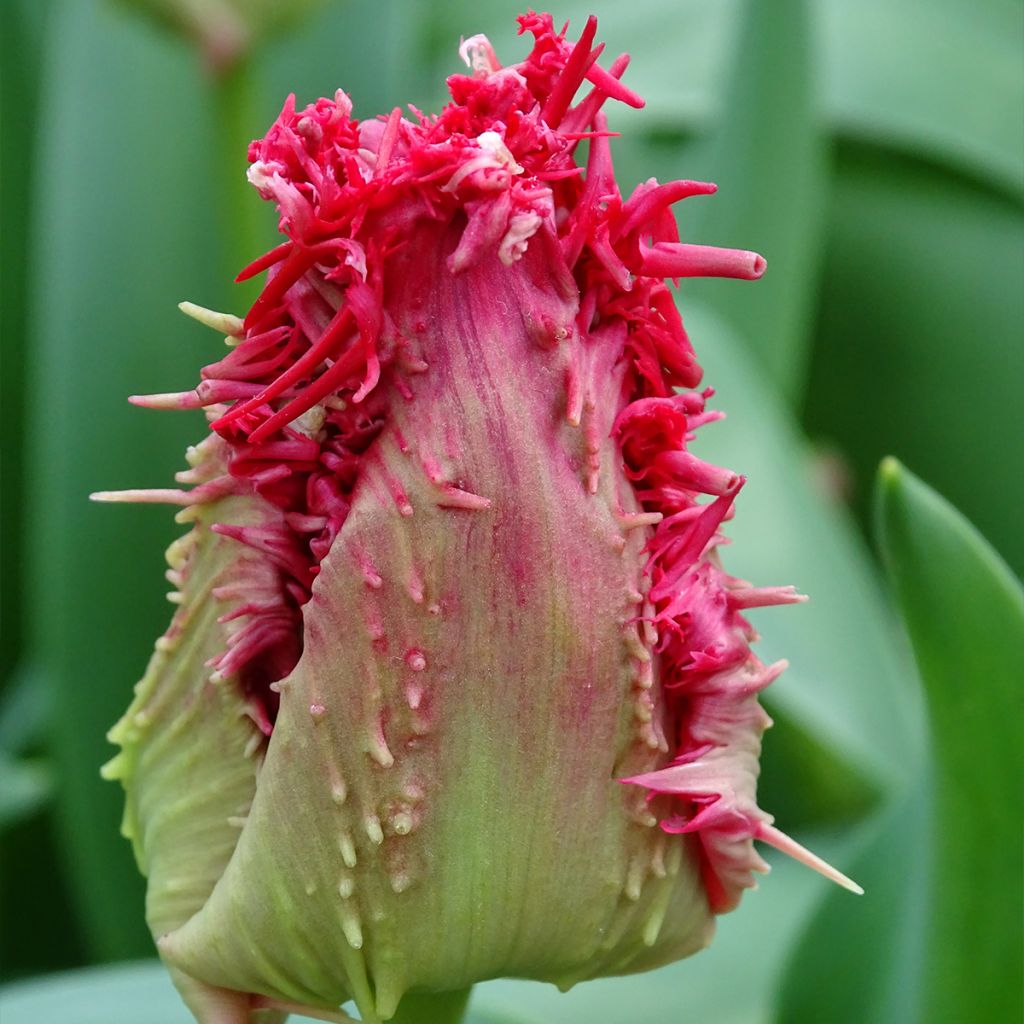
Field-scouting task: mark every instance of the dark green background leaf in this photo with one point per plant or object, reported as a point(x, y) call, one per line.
point(919, 335)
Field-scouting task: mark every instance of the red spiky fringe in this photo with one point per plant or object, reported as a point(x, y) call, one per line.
point(305, 381)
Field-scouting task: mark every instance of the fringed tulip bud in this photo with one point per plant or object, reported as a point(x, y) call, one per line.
point(457, 687)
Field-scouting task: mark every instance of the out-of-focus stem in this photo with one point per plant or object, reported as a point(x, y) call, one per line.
point(439, 1008)
point(240, 215)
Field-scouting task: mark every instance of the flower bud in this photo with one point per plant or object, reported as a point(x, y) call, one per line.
point(457, 687)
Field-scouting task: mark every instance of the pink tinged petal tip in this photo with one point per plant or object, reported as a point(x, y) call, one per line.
point(479, 55)
point(784, 844)
point(763, 597)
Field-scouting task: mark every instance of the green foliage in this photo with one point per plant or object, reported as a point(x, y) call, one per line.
point(919, 336)
point(873, 152)
point(843, 684)
point(107, 255)
point(26, 779)
point(964, 611)
point(944, 859)
point(772, 176)
point(939, 79)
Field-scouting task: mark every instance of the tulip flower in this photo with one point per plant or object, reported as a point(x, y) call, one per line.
point(457, 687)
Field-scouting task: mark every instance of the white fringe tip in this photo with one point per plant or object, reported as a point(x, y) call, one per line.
point(223, 323)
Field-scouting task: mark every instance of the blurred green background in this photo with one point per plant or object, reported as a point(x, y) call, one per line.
point(872, 150)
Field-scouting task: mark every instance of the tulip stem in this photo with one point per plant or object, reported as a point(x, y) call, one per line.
point(243, 223)
point(432, 1008)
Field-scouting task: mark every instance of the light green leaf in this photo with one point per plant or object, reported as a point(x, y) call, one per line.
point(848, 667)
point(771, 171)
point(26, 784)
point(964, 611)
point(938, 937)
point(935, 77)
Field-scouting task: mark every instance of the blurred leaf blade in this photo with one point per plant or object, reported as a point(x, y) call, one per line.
point(859, 960)
point(26, 778)
point(952, 948)
point(935, 77)
point(918, 339)
point(848, 666)
point(125, 226)
point(223, 31)
point(964, 611)
point(772, 174)
point(26, 785)
point(21, 55)
point(808, 783)
point(112, 251)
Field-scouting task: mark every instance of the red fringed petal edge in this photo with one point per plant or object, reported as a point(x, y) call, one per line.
point(298, 400)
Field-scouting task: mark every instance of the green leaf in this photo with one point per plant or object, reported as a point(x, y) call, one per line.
point(125, 226)
point(24, 712)
point(133, 993)
point(120, 209)
point(845, 684)
point(26, 784)
point(938, 937)
point(806, 783)
point(938, 78)
point(918, 344)
point(771, 172)
point(139, 993)
point(934, 77)
point(859, 960)
point(21, 49)
point(964, 611)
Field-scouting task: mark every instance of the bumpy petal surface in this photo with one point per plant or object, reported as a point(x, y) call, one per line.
point(455, 578)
